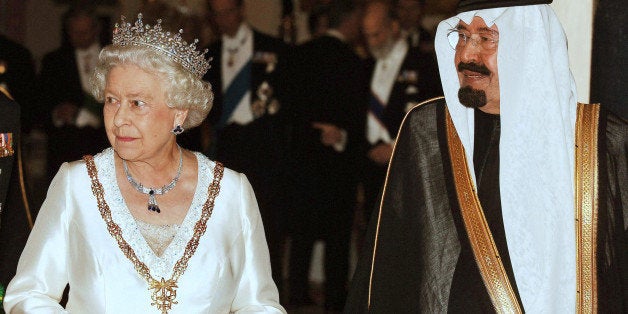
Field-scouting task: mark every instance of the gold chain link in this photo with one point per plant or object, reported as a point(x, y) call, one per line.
point(164, 291)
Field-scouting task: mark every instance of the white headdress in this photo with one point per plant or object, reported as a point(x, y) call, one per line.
point(538, 113)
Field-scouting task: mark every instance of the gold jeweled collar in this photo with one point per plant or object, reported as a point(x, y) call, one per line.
point(164, 290)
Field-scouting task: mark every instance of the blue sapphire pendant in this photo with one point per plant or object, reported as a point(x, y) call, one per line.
point(152, 202)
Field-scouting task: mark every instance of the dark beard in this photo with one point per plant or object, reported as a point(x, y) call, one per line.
point(472, 98)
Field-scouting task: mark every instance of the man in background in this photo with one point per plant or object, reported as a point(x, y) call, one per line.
point(15, 217)
point(410, 14)
point(17, 77)
point(248, 118)
point(401, 77)
point(74, 120)
point(328, 91)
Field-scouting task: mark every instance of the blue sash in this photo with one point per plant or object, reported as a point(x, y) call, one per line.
point(376, 107)
point(235, 92)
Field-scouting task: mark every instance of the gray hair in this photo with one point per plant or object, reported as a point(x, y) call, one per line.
point(185, 90)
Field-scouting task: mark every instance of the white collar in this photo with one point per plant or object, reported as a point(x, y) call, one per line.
point(243, 34)
point(336, 34)
point(397, 53)
point(93, 49)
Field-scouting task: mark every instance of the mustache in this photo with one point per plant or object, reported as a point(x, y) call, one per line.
point(473, 67)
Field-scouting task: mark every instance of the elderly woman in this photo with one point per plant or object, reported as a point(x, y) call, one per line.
point(146, 226)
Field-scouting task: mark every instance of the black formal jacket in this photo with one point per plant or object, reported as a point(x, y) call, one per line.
point(414, 230)
point(19, 76)
point(328, 83)
point(14, 220)
point(256, 149)
point(417, 80)
point(59, 81)
point(260, 73)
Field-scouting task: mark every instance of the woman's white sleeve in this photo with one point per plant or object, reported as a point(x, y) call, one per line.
point(41, 275)
point(256, 292)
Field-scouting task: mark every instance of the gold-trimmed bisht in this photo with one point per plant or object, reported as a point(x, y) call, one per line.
point(483, 245)
point(587, 199)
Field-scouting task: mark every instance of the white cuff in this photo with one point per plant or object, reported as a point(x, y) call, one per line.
point(340, 146)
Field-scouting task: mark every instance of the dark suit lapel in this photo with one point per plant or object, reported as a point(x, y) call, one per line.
point(73, 71)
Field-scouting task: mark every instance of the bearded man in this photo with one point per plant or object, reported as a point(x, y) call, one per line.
point(506, 195)
point(401, 77)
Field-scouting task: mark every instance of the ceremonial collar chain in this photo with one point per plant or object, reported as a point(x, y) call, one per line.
point(152, 202)
point(163, 292)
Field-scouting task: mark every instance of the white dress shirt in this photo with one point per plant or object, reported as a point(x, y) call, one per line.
point(86, 60)
point(384, 77)
point(240, 50)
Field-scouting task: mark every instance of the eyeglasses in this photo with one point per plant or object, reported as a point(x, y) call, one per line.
point(486, 40)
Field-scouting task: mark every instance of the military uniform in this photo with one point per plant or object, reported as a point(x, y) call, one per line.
point(15, 220)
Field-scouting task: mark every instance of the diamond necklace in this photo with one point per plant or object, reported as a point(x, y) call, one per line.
point(152, 202)
point(164, 292)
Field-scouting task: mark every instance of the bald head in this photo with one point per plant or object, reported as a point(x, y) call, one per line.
point(380, 27)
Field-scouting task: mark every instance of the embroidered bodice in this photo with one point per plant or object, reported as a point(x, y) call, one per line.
point(159, 265)
point(158, 237)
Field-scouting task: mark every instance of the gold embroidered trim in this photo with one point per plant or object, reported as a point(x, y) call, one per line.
point(586, 207)
point(484, 250)
point(164, 291)
point(20, 167)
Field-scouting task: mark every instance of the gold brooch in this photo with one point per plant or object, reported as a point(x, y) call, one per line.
point(164, 294)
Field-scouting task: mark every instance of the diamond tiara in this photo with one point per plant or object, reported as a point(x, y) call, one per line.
point(172, 45)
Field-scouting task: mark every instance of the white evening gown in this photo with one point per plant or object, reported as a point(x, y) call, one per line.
point(228, 273)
